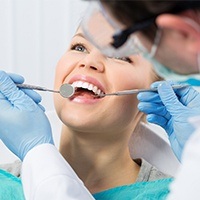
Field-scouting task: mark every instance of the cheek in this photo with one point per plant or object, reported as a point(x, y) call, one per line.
point(142, 77)
point(61, 104)
point(125, 110)
point(130, 105)
point(132, 76)
point(57, 102)
point(133, 79)
point(61, 72)
point(64, 67)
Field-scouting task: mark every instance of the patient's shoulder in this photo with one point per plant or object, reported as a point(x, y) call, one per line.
point(148, 172)
point(13, 168)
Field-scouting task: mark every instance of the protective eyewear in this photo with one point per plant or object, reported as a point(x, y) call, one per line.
point(105, 33)
point(114, 40)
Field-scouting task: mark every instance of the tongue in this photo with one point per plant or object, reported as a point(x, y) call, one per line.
point(85, 94)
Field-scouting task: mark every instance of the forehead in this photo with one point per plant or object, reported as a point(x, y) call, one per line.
point(80, 34)
point(79, 30)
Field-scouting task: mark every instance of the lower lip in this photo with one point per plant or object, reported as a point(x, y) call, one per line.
point(83, 100)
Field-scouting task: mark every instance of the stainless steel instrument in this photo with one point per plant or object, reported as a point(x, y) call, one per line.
point(66, 90)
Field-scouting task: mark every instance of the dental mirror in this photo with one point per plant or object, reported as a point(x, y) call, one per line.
point(66, 90)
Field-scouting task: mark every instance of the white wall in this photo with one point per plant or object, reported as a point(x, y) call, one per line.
point(33, 36)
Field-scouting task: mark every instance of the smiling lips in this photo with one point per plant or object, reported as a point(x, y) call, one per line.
point(86, 89)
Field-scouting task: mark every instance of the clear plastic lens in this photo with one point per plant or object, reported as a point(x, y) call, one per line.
point(96, 27)
point(99, 30)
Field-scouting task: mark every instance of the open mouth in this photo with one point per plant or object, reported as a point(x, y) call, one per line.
point(86, 90)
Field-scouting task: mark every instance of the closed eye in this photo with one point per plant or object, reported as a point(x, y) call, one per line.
point(125, 59)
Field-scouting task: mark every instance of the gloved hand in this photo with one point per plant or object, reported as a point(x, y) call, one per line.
point(23, 124)
point(171, 109)
point(31, 93)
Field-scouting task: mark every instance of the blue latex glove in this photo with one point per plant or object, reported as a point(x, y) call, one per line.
point(31, 93)
point(171, 109)
point(23, 124)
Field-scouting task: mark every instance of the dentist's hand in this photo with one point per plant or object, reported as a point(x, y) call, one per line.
point(171, 109)
point(31, 93)
point(23, 124)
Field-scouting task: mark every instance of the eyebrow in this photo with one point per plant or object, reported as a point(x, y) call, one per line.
point(80, 35)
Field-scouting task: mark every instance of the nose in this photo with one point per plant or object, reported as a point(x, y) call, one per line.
point(94, 60)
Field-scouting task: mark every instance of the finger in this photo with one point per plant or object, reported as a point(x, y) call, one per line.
point(33, 95)
point(169, 97)
point(16, 78)
point(188, 96)
point(155, 119)
point(41, 107)
point(15, 96)
point(156, 84)
point(149, 97)
point(150, 108)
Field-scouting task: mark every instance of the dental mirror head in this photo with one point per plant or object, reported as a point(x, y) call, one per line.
point(66, 90)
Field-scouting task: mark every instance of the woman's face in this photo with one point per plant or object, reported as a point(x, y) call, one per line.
point(90, 72)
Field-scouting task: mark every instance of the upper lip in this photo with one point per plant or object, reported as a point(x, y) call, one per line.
point(99, 89)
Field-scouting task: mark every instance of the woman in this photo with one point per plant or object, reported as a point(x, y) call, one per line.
point(96, 131)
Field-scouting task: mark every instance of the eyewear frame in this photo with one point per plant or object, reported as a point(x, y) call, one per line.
point(121, 36)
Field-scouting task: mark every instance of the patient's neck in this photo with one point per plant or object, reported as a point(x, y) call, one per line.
point(100, 164)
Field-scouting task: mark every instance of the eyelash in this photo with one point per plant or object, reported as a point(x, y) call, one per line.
point(76, 45)
point(125, 59)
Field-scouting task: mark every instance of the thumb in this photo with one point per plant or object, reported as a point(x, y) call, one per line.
point(169, 97)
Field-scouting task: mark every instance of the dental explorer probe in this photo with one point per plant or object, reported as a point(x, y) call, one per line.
point(135, 91)
point(66, 90)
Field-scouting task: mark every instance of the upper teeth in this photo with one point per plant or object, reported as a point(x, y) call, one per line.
point(86, 85)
